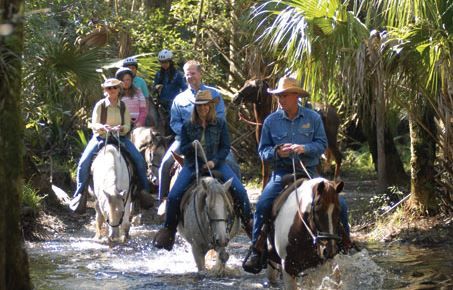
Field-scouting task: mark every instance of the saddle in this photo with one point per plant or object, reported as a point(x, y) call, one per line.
point(288, 187)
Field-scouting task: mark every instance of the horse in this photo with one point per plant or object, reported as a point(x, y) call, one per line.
point(208, 220)
point(255, 92)
point(152, 145)
point(111, 186)
point(305, 228)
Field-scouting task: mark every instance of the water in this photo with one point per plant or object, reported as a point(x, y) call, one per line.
point(75, 261)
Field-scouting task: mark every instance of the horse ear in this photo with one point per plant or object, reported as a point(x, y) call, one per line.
point(226, 185)
point(321, 187)
point(339, 186)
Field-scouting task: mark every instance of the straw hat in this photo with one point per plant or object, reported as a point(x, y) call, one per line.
point(288, 85)
point(112, 82)
point(203, 97)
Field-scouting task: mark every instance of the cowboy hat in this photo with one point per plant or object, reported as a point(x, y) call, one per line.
point(203, 97)
point(112, 82)
point(288, 85)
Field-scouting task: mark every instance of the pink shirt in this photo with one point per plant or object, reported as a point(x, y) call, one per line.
point(136, 107)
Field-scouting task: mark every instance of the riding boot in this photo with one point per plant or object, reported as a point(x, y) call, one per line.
point(165, 239)
point(256, 257)
point(78, 203)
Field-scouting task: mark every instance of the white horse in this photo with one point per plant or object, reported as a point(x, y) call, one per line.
point(305, 229)
point(208, 220)
point(113, 198)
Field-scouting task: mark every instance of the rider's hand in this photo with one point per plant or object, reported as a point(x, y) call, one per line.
point(117, 128)
point(297, 148)
point(284, 150)
point(194, 143)
point(107, 128)
point(210, 164)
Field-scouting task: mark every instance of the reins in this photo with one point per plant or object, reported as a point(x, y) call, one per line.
point(319, 235)
point(197, 146)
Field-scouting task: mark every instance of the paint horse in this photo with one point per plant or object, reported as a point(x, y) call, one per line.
point(255, 92)
point(111, 186)
point(208, 220)
point(305, 228)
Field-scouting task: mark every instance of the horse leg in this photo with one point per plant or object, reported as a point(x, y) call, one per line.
point(222, 258)
point(289, 280)
point(199, 256)
point(99, 221)
point(338, 158)
point(273, 273)
point(126, 222)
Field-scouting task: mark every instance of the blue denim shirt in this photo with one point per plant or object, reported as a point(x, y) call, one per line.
point(170, 88)
point(306, 129)
point(181, 109)
point(216, 142)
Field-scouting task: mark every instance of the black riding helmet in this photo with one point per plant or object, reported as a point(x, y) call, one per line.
point(123, 71)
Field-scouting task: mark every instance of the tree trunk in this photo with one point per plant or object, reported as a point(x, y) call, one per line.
point(13, 257)
point(423, 153)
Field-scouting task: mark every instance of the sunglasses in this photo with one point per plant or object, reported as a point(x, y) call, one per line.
point(112, 88)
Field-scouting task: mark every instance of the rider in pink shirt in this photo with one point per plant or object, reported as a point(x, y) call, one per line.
point(132, 97)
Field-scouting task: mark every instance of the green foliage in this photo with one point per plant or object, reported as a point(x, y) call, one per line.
point(359, 161)
point(30, 197)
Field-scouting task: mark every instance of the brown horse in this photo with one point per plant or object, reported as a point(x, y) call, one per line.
point(255, 92)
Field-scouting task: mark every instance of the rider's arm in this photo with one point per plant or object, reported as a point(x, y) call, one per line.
point(141, 110)
point(267, 149)
point(224, 143)
point(176, 120)
point(96, 125)
point(126, 127)
point(186, 147)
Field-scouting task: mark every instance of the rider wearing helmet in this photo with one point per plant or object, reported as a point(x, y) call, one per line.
point(132, 64)
point(168, 82)
point(132, 97)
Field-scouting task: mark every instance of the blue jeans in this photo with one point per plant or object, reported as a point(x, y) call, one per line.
point(168, 161)
point(270, 193)
point(183, 181)
point(93, 147)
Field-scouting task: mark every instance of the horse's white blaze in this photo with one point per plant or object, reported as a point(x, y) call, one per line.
point(329, 214)
point(286, 215)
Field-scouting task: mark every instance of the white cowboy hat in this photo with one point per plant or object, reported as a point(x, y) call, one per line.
point(203, 97)
point(112, 82)
point(288, 85)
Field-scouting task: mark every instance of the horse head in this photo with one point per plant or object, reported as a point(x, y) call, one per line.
point(154, 153)
point(252, 92)
point(325, 213)
point(218, 208)
point(113, 209)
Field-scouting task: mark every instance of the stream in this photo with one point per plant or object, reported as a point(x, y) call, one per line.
point(73, 260)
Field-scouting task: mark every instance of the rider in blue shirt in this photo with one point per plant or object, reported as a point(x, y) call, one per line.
point(290, 131)
point(168, 81)
point(181, 111)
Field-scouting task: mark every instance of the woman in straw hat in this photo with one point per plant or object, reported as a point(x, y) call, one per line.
point(212, 133)
point(110, 114)
point(291, 130)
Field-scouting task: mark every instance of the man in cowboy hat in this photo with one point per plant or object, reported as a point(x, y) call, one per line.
point(292, 129)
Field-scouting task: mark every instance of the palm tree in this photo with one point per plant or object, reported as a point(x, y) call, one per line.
point(330, 47)
point(334, 52)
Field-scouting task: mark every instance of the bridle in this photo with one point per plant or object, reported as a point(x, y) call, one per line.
point(228, 219)
point(314, 234)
